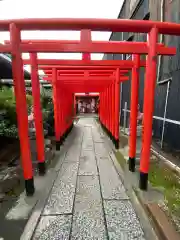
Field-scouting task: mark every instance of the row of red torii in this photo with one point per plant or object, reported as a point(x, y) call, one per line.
point(72, 76)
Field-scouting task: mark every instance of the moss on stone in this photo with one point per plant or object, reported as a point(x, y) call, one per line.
point(160, 176)
point(120, 159)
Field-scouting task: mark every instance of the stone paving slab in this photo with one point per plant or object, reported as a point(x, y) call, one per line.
point(87, 165)
point(73, 155)
point(100, 150)
point(87, 145)
point(88, 148)
point(97, 136)
point(97, 140)
point(111, 185)
point(122, 222)
point(62, 195)
point(53, 228)
point(88, 221)
point(87, 153)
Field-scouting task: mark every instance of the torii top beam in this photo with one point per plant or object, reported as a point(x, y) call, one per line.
point(84, 64)
point(87, 95)
point(92, 47)
point(87, 79)
point(112, 25)
point(89, 46)
point(91, 71)
point(84, 72)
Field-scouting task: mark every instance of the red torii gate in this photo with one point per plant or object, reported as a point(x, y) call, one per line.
point(85, 83)
point(78, 88)
point(78, 83)
point(86, 45)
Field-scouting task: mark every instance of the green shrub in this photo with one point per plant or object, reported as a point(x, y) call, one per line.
point(8, 123)
point(7, 130)
point(29, 100)
point(46, 100)
point(48, 111)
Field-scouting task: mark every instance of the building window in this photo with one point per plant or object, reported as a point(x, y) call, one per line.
point(128, 56)
point(144, 36)
point(147, 16)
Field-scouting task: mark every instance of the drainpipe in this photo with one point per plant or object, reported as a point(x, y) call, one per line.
point(160, 40)
point(168, 81)
point(125, 115)
point(121, 85)
point(165, 109)
point(120, 99)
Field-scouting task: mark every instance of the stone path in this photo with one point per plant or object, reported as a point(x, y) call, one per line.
point(88, 199)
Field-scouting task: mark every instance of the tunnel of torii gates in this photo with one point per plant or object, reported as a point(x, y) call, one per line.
point(71, 76)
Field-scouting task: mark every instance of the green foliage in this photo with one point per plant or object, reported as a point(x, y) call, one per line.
point(8, 123)
point(120, 159)
point(29, 100)
point(46, 100)
point(8, 130)
point(8, 105)
point(162, 177)
point(48, 111)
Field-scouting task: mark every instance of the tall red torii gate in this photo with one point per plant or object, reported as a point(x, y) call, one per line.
point(78, 84)
point(83, 83)
point(86, 45)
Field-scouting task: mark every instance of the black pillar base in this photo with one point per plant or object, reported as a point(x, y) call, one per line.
point(71, 127)
point(111, 136)
point(42, 168)
point(68, 131)
point(143, 181)
point(132, 164)
point(60, 141)
point(107, 132)
point(113, 140)
point(29, 186)
point(63, 138)
point(116, 143)
point(58, 144)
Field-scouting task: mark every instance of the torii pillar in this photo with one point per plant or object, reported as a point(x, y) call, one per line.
point(149, 90)
point(21, 108)
point(38, 118)
point(134, 112)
